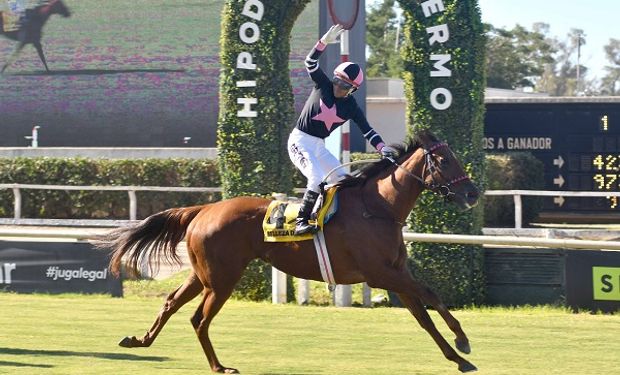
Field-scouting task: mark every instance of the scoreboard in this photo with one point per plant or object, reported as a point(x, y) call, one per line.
point(577, 139)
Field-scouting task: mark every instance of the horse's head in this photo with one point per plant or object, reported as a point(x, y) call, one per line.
point(56, 7)
point(443, 173)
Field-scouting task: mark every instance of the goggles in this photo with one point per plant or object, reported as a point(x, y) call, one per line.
point(342, 84)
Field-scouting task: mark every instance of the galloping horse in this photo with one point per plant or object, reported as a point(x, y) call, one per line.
point(31, 31)
point(364, 237)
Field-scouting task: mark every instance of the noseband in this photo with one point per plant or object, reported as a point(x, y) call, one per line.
point(430, 168)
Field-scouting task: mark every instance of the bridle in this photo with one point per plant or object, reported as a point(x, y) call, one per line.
point(430, 168)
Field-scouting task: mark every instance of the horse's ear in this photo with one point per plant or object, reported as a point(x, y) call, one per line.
point(425, 137)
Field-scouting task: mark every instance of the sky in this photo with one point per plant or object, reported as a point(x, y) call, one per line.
point(599, 19)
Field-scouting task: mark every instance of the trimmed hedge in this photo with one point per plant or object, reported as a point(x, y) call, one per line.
point(252, 150)
point(105, 172)
point(455, 272)
point(513, 170)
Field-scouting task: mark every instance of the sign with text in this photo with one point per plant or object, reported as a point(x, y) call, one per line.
point(606, 283)
point(577, 139)
point(593, 280)
point(56, 267)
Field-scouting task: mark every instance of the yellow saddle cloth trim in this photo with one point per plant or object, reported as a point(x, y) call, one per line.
point(279, 221)
point(10, 21)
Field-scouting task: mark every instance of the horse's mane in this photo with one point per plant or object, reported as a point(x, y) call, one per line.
point(374, 168)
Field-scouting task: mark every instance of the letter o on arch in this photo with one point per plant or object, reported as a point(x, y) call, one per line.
point(447, 98)
point(254, 33)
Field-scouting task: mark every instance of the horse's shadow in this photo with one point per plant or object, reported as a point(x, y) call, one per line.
point(92, 72)
point(70, 353)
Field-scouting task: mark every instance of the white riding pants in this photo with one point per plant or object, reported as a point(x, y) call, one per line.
point(312, 158)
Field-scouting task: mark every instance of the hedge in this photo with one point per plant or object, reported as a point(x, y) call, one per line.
point(60, 204)
point(252, 150)
point(514, 170)
point(455, 272)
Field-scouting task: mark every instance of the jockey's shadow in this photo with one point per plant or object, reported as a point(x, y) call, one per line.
point(91, 72)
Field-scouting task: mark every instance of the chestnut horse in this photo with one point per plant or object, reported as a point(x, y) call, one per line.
point(32, 30)
point(364, 238)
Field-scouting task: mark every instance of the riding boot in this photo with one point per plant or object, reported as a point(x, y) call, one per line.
point(302, 226)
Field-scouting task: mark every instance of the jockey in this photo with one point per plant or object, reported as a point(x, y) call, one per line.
point(18, 8)
point(330, 105)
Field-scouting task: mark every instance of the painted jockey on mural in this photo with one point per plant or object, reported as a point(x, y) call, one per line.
point(330, 105)
point(16, 15)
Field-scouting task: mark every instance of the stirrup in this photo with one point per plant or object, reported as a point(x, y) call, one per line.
point(303, 227)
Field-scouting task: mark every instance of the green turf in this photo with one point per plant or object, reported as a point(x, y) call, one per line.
point(71, 334)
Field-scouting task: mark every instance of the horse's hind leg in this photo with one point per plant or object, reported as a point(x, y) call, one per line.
point(210, 306)
point(190, 288)
point(39, 48)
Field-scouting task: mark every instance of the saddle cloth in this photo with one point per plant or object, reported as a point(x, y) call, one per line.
point(10, 21)
point(279, 221)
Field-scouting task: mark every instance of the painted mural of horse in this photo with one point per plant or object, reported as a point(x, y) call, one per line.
point(30, 30)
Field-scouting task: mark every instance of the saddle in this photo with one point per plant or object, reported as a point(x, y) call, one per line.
point(10, 21)
point(279, 221)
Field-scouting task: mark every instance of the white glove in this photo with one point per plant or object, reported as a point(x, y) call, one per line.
point(388, 152)
point(332, 34)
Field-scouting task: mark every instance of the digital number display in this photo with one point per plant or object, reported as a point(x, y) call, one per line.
point(609, 167)
point(577, 140)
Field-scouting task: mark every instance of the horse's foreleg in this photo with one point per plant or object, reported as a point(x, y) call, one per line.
point(399, 280)
point(39, 48)
point(430, 298)
point(414, 305)
point(13, 56)
point(190, 288)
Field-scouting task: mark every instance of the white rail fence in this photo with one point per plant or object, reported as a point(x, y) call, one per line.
point(343, 293)
point(517, 194)
point(131, 190)
point(133, 200)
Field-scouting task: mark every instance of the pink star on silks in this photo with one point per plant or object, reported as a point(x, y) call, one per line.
point(328, 115)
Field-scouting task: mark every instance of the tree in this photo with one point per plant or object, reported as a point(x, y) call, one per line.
point(610, 84)
point(517, 58)
point(383, 37)
point(565, 77)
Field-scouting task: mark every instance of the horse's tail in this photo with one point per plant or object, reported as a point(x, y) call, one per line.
point(156, 236)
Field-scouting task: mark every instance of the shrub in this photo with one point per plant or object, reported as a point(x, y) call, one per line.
point(512, 171)
point(61, 204)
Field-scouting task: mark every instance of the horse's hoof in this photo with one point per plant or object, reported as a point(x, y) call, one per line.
point(226, 370)
point(463, 346)
point(467, 367)
point(127, 342)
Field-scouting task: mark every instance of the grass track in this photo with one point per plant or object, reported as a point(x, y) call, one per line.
point(72, 334)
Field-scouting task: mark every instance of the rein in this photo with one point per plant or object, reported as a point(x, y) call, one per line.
point(429, 164)
point(443, 190)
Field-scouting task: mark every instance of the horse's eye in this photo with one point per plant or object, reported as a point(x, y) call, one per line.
point(444, 162)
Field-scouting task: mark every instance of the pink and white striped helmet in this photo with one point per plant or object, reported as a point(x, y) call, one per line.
point(350, 72)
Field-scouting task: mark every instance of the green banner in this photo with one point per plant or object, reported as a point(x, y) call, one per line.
point(606, 283)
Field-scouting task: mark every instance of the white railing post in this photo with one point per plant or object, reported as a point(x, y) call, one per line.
point(366, 294)
point(343, 296)
point(278, 286)
point(133, 205)
point(303, 291)
point(518, 210)
point(17, 206)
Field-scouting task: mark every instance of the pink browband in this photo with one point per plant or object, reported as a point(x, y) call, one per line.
point(459, 179)
point(437, 146)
